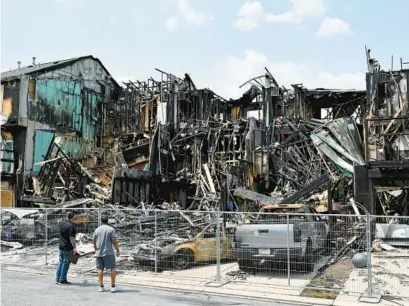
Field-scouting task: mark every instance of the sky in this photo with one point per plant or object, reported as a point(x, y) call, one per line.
point(219, 43)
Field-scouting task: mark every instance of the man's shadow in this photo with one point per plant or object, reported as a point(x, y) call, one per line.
point(86, 283)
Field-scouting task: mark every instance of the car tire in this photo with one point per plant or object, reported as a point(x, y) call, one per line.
point(327, 247)
point(245, 266)
point(307, 262)
point(183, 259)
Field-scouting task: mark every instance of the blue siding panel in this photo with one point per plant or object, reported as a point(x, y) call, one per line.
point(42, 141)
point(61, 103)
point(74, 147)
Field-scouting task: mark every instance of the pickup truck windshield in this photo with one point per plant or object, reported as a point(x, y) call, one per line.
point(275, 216)
point(302, 214)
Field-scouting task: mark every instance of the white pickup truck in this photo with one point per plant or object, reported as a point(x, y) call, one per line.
point(270, 239)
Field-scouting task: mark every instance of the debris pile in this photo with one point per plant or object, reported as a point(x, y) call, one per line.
point(176, 154)
point(167, 155)
point(132, 225)
point(176, 143)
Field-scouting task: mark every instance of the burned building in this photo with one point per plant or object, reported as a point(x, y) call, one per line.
point(165, 140)
point(61, 100)
point(205, 147)
point(179, 128)
point(383, 182)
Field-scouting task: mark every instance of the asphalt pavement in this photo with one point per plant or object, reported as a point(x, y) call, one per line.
point(31, 290)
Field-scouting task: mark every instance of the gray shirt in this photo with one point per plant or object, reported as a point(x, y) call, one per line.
point(104, 236)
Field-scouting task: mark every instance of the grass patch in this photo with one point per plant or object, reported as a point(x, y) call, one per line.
point(333, 277)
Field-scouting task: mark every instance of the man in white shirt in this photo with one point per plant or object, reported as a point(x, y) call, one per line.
point(104, 241)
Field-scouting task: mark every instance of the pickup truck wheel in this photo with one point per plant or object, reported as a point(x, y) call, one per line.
point(307, 264)
point(245, 266)
point(327, 250)
point(183, 259)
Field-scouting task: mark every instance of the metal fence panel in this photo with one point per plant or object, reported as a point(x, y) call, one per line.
point(86, 220)
point(389, 257)
point(306, 251)
point(297, 250)
point(23, 236)
point(182, 244)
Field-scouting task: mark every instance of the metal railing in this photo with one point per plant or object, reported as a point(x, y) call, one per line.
point(320, 254)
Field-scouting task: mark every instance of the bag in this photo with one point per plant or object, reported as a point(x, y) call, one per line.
point(73, 258)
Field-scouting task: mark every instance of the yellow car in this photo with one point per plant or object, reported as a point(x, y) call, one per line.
point(182, 253)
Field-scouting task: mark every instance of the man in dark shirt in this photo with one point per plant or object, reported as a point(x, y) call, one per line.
point(67, 245)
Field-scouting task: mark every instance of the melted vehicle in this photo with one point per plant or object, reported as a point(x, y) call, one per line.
point(29, 226)
point(179, 253)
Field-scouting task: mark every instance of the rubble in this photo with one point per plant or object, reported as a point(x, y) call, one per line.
point(166, 156)
point(379, 246)
point(132, 226)
point(188, 145)
point(237, 275)
point(12, 245)
point(182, 153)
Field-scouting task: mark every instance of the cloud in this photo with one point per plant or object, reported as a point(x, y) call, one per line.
point(300, 11)
point(191, 15)
point(172, 24)
point(188, 14)
point(333, 26)
point(233, 71)
point(226, 74)
point(251, 14)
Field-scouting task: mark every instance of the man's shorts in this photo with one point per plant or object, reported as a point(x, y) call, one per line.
point(106, 262)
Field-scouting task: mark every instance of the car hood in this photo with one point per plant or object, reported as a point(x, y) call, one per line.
point(162, 243)
point(21, 213)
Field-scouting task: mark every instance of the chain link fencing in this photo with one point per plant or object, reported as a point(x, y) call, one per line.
point(321, 255)
point(182, 241)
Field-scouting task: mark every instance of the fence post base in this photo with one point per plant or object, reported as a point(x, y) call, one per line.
point(373, 299)
point(369, 254)
point(288, 252)
point(218, 282)
point(218, 246)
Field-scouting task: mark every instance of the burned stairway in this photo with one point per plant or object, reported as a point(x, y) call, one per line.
point(51, 181)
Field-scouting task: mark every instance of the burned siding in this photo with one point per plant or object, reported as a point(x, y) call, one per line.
point(133, 187)
point(90, 114)
point(65, 106)
point(12, 90)
point(93, 74)
point(57, 103)
point(62, 101)
point(42, 141)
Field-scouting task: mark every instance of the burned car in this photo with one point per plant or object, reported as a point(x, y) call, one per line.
point(181, 253)
point(29, 226)
point(18, 225)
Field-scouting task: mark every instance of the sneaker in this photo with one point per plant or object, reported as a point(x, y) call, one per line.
point(101, 289)
point(114, 289)
point(65, 282)
point(57, 282)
